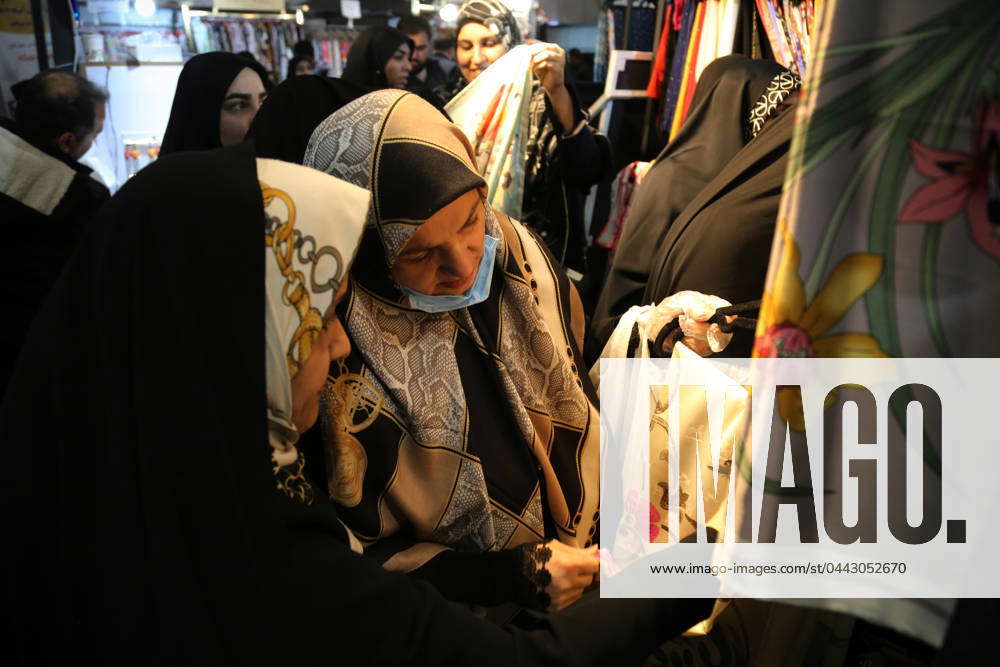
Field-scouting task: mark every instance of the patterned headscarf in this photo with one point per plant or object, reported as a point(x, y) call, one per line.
point(781, 87)
point(468, 426)
point(494, 15)
point(313, 226)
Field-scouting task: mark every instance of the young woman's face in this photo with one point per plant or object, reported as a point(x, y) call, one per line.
point(443, 256)
point(239, 106)
point(330, 345)
point(397, 68)
point(476, 49)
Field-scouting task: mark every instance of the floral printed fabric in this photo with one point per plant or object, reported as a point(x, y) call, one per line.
point(887, 237)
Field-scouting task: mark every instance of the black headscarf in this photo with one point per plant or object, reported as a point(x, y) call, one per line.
point(711, 135)
point(369, 53)
point(148, 529)
point(721, 242)
point(293, 109)
point(201, 90)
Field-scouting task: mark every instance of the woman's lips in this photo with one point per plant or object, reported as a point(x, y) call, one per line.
point(459, 284)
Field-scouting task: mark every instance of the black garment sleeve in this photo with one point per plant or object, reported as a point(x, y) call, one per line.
point(346, 608)
point(488, 579)
point(584, 158)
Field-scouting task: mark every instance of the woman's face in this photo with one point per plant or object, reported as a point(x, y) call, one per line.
point(304, 67)
point(476, 49)
point(443, 256)
point(239, 106)
point(330, 345)
point(397, 68)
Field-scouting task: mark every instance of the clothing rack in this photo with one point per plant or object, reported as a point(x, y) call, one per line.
point(331, 45)
point(269, 36)
point(701, 31)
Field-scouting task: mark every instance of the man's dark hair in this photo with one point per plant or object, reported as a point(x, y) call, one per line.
point(53, 102)
point(411, 25)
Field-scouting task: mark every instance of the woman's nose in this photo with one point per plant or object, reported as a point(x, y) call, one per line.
point(460, 261)
point(478, 56)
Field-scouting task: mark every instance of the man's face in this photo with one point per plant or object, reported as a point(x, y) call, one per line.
point(421, 50)
point(77, 149)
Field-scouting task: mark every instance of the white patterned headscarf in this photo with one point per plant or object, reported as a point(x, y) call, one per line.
point(313, 225)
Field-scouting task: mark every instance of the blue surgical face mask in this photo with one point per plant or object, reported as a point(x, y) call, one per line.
point(476, 294)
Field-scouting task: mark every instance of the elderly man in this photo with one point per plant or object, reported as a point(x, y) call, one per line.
point(46, 196)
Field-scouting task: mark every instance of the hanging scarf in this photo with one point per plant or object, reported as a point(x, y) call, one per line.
point(473, 428)
point(492, 111)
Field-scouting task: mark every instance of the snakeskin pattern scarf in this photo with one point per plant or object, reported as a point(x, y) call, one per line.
point(473, 429)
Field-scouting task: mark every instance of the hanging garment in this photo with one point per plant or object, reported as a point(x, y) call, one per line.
point(716, 130)
point(658, 75)
point(603, 49)
point(478, 428)
point(677, 67)
point(621, 200)
point(201, 90)
point(690, 65)
point(888, 242)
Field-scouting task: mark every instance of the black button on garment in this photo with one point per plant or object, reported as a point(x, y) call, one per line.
point(534, 284)
point(527, 267)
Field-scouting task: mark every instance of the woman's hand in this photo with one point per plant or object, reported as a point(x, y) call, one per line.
point(549, 65)
point(692, 311)
point(572, 570)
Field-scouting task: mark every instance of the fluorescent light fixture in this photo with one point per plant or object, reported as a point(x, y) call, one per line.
point(145, 8)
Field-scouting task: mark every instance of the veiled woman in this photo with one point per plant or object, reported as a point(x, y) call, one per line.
point(474, 425)
point(734, 98)
point(217, 96)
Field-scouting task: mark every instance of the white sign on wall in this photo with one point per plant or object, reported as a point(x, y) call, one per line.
point(249, 5)
point(351, 9)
